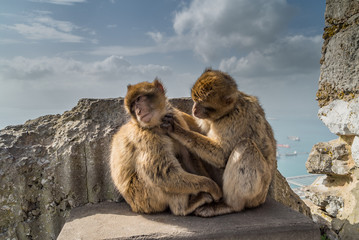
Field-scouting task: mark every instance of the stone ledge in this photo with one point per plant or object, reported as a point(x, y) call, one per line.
point(110, 220)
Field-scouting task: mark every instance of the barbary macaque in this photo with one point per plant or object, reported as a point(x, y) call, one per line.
point(146, 163)
point(237, 137)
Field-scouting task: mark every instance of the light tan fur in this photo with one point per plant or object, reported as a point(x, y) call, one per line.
point(237, 138)
point(146, 163)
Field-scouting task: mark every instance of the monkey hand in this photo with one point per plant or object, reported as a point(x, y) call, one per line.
point(169, 123)
point(215, 192)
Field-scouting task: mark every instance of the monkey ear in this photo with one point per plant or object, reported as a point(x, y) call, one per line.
point(129, 86)
point(208, 69)
point(159, 85)
point(228, 100)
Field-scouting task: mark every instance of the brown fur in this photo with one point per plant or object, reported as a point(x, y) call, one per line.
point(237, 138)
point(146, 163)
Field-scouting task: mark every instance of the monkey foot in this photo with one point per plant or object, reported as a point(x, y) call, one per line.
point(213, 209)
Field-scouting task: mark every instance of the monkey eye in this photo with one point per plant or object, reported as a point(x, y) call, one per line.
point(150, 95)
point(209, 109)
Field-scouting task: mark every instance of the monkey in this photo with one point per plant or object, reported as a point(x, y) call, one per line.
point(235, 138)
point(145, 163)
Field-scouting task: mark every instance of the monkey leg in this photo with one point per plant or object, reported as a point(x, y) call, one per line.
point(246, 177)
point(185, 204)
point(246, 180)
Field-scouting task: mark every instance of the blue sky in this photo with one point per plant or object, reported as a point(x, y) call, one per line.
point(54, 52)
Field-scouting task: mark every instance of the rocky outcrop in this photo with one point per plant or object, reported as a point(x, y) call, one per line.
point(55, 163)
point(339, 71)
point(334, 197)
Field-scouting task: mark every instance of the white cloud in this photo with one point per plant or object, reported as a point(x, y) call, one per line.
point(124, 51)
point(156, 36)
point(287, 56)
point(63, 71)
point(43, 85)
point(60, 2)
point(112, 26)
point(216, 26)
point(36, 31)
point(6, 41)
point(63, 26)
point(41, 26)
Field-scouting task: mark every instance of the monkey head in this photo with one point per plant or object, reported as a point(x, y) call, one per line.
point(214, 95)
point(146, 103)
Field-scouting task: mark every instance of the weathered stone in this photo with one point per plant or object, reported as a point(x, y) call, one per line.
point(334, 202)
point(342, 118)
point(324, 221)
point(340, 11)
point(340, 53)
point(337, 194)
point(329, 158)
point(333, 205)
point(355, 151)
point(55, 163)
point(349, 231)
point(281, 192)
point(270, 221)
point(325, 197)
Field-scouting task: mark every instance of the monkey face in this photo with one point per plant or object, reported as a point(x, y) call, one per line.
point(146, 109)
point(214, 95)
point(146, 103)
point(202, 110)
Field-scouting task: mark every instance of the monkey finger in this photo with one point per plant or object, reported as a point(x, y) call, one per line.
point(167, 126)
point(169, 115)
point(168, 118)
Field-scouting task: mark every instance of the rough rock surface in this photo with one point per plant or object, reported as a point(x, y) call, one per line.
point(330, 158)
point(55, 163)
point(339, 70)
point(341, 117)
point(355, 151)
point(334, 198)
point(270, 221)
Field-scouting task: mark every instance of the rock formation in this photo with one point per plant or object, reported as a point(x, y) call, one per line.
point(334, 197)
point(55, 163)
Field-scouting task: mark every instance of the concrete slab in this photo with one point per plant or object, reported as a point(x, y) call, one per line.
point(116, 221)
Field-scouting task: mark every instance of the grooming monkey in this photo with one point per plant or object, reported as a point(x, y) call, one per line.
point(237, 137)
point(146, 163)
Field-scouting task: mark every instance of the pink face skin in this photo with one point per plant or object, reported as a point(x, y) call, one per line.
point(143, 109)
point(198, 111)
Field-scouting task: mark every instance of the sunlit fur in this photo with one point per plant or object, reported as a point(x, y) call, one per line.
point(214, 96)
point(237, 137)
point(147, 165)
point(158, 101)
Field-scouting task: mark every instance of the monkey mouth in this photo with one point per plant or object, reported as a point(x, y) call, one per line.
point(146, 117)
point(200, 116)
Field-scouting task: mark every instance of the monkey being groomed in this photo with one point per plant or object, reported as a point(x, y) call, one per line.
point(236, 137)
point(146, 163)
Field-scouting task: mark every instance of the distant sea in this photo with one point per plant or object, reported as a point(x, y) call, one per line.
point(309, 132)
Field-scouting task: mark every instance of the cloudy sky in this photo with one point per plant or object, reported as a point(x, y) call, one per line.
point(54, 52)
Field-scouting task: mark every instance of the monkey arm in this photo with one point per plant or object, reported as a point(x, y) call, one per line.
point(184, 119)
point(203, 146)
point(191, 122)
point(165, 172)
